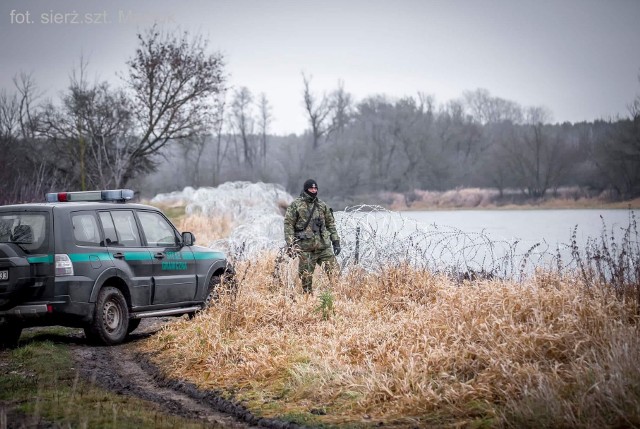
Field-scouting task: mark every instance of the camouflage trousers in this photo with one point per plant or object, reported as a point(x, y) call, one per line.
point(307, 265)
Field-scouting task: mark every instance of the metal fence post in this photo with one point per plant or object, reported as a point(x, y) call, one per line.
point(357, 256)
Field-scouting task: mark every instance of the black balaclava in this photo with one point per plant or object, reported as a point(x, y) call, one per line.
point(309, 183)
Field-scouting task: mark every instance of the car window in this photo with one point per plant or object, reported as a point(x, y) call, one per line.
point(126, 227)
point(30, 231)
point(157, 230)
point(110, 235)
point(85, 229)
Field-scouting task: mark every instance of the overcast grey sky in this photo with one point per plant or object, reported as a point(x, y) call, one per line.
point(579, 58)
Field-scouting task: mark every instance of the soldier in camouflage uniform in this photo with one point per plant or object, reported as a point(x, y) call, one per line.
point(310, 232)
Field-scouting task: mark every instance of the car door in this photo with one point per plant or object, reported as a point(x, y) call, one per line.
point(132, 259)
point(174, 268)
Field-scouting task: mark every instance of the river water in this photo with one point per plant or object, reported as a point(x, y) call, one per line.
point(554, 227)
point(508, 242)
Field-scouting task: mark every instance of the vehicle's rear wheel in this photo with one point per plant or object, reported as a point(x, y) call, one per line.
point(111, 319)
point(9, 333)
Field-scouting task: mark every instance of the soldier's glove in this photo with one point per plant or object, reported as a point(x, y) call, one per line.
point(336, 247)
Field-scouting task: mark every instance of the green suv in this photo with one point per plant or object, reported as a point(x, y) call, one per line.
point(93, 260)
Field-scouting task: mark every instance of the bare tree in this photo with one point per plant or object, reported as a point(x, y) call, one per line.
point(9, 141)
point(495, 164)
point(27, 164)
point(539, 159)
point(9, 117)
point(196, 148)
point(487, 109)
point(192, 150)
point(173, 83)
point(28, 94)
point(413, 129)
point(93, 128)
point(264, 123)
point(221, 145)
point(617, 153)
point(318, 111)
point(342, 106)
point(243, 123)
point(461, 144)
point(376, 124)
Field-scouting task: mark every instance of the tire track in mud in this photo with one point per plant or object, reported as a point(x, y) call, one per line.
point(121, 369)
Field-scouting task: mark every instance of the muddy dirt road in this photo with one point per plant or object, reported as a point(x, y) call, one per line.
point(122, 370)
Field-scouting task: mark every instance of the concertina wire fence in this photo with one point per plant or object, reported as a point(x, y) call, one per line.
point(373, 238)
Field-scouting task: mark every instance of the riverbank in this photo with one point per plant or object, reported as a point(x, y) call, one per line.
point(485, 199)
point(408, 348)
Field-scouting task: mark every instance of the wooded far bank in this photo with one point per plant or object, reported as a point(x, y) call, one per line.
point(173, 122)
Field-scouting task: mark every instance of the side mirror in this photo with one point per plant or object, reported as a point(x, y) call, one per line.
point(188, 239)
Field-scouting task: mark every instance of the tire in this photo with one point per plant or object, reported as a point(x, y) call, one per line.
point(212, 296)
point(133, 325)
point(9, 333)
point(213, 292)
point(111, 319)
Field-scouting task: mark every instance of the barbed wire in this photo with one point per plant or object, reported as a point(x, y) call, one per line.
point(374, 238)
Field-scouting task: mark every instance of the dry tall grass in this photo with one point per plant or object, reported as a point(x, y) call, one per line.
point(408, 348)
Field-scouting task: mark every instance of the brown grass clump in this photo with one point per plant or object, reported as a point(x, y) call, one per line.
point(411, 348)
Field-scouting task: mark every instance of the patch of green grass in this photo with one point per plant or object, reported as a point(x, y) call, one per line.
point(325, 307)
point(39, 378)
point(305, 419)
point(310, 419)
point(49, 330)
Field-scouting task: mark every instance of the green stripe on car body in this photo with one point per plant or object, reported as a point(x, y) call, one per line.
point(45, 259)
point(128, 256)
point(208, 255)
point(88, 257)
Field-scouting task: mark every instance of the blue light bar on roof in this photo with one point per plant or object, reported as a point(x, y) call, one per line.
point(107, 195)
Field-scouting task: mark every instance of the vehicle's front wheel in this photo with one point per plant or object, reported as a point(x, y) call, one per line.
point(213, 292)
point(111, 319)
point(9, 333)
point(212, 295)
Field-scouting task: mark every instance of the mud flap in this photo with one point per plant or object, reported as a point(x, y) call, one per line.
point(15, 274)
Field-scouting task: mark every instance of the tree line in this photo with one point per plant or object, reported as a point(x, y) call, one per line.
point(173, 122)
point(399, 145)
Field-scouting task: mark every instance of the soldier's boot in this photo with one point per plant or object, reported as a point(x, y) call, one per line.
point(307, 279)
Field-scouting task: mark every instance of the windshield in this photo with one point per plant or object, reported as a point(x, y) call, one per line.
point(30, 231)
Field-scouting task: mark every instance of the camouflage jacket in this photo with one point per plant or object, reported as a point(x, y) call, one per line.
point(320, 231)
